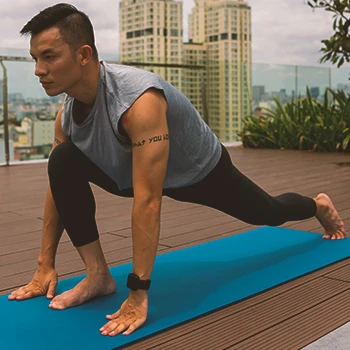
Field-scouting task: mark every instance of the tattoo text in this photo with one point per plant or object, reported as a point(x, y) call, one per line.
point(153, 139)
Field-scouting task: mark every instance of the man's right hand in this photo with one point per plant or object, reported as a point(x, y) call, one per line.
point(43, 282)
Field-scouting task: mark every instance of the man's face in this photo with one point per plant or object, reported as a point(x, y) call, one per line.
point(55, 65)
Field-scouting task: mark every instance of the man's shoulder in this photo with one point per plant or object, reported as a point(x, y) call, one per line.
point(125, 84)
point(119, 75)
point(121, 70)
point(67, 103)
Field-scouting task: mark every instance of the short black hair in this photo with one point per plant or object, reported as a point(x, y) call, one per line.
point(74, 25)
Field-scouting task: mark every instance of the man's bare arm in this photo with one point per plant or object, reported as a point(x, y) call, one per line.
point(147, 128)
point(45, 278)
point(52, 226)
point(146, 125)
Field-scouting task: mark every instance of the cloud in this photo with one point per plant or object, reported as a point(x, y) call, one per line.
point(284, 31)
point(292, 35)
point(103, 14)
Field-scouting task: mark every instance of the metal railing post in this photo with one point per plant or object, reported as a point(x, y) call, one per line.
point(296, 82)
point(6, 119)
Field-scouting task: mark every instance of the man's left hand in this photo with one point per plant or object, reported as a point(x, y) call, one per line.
point(131, 315)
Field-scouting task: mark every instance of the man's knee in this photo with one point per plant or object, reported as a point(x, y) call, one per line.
point(62, 158)
point(276, 219)
point(267, 216)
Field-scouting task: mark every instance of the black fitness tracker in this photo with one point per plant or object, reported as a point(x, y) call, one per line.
point(134, 282)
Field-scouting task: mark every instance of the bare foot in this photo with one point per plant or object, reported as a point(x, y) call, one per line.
point(329, 218)
point(89, 288)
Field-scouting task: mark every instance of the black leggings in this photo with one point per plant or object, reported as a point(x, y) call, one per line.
point(224, 188)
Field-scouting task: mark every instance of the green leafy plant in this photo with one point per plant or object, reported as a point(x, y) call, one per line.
point(303, 124)
point(337, 48)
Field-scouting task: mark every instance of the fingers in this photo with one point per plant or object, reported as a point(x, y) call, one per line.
point(16, 293)
point(51, 292)
point(25, 292)
point(133, 326)
point(120, 325)
point(115, 315)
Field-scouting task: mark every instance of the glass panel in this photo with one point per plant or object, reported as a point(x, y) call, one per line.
point(271, 81)
point(224, 92)
point(31, 113)
point(340, 79)
point(2, 138)
point(316, 79)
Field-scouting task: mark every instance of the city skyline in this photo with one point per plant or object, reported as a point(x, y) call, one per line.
point(230, 86)
point(21, 78)
point(273, 76)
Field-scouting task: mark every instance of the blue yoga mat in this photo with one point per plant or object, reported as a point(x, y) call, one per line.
point(185, 284)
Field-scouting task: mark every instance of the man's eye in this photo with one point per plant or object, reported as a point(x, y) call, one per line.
point(49, 57)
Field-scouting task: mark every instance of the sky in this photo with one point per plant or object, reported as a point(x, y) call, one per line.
point(283, 31)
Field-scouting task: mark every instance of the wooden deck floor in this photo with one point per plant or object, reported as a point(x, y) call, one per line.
point(286, 317)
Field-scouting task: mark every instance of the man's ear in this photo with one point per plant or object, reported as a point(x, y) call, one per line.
point(85, 54)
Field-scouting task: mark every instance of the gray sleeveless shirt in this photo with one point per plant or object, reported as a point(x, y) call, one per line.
point(194, 149)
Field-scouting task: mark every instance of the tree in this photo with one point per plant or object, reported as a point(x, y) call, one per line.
point(337, 48)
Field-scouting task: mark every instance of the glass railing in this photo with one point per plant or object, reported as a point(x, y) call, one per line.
point(285, 82)
point(223, 93)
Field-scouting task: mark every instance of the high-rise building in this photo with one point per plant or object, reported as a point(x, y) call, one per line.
point(219, 50)
point(195, 82)
point(315, 92)
point(223, 27)
point(35, 132)
point(257, 92)
point(151, 32)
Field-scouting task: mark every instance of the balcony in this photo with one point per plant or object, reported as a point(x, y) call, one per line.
point(222, 92)
point(289, 316)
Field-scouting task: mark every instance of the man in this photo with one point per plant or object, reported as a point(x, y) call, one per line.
point(134, 135)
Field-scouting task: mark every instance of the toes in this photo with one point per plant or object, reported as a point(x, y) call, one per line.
point(338, 235)
point(334, 236)
point(56, 306)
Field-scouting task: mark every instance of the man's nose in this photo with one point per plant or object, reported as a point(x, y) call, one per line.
point(40, 69)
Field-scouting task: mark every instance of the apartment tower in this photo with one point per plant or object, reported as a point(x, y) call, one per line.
point(222, 30)
point(194, 73)
point(151, 34)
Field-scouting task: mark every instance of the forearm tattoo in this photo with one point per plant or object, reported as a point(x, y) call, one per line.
point(153, 139)
point(57, 141)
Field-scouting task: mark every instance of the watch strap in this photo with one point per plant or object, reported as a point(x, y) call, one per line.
point(134, 282)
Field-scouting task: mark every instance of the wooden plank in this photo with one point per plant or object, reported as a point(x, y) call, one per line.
point(22, 194)
point(299, 331)
point(342, 274)
point(236, 327)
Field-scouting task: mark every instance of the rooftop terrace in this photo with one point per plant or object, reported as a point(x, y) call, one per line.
point(289, 316)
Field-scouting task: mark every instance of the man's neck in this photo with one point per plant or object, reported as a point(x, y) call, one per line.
point(85, 92)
